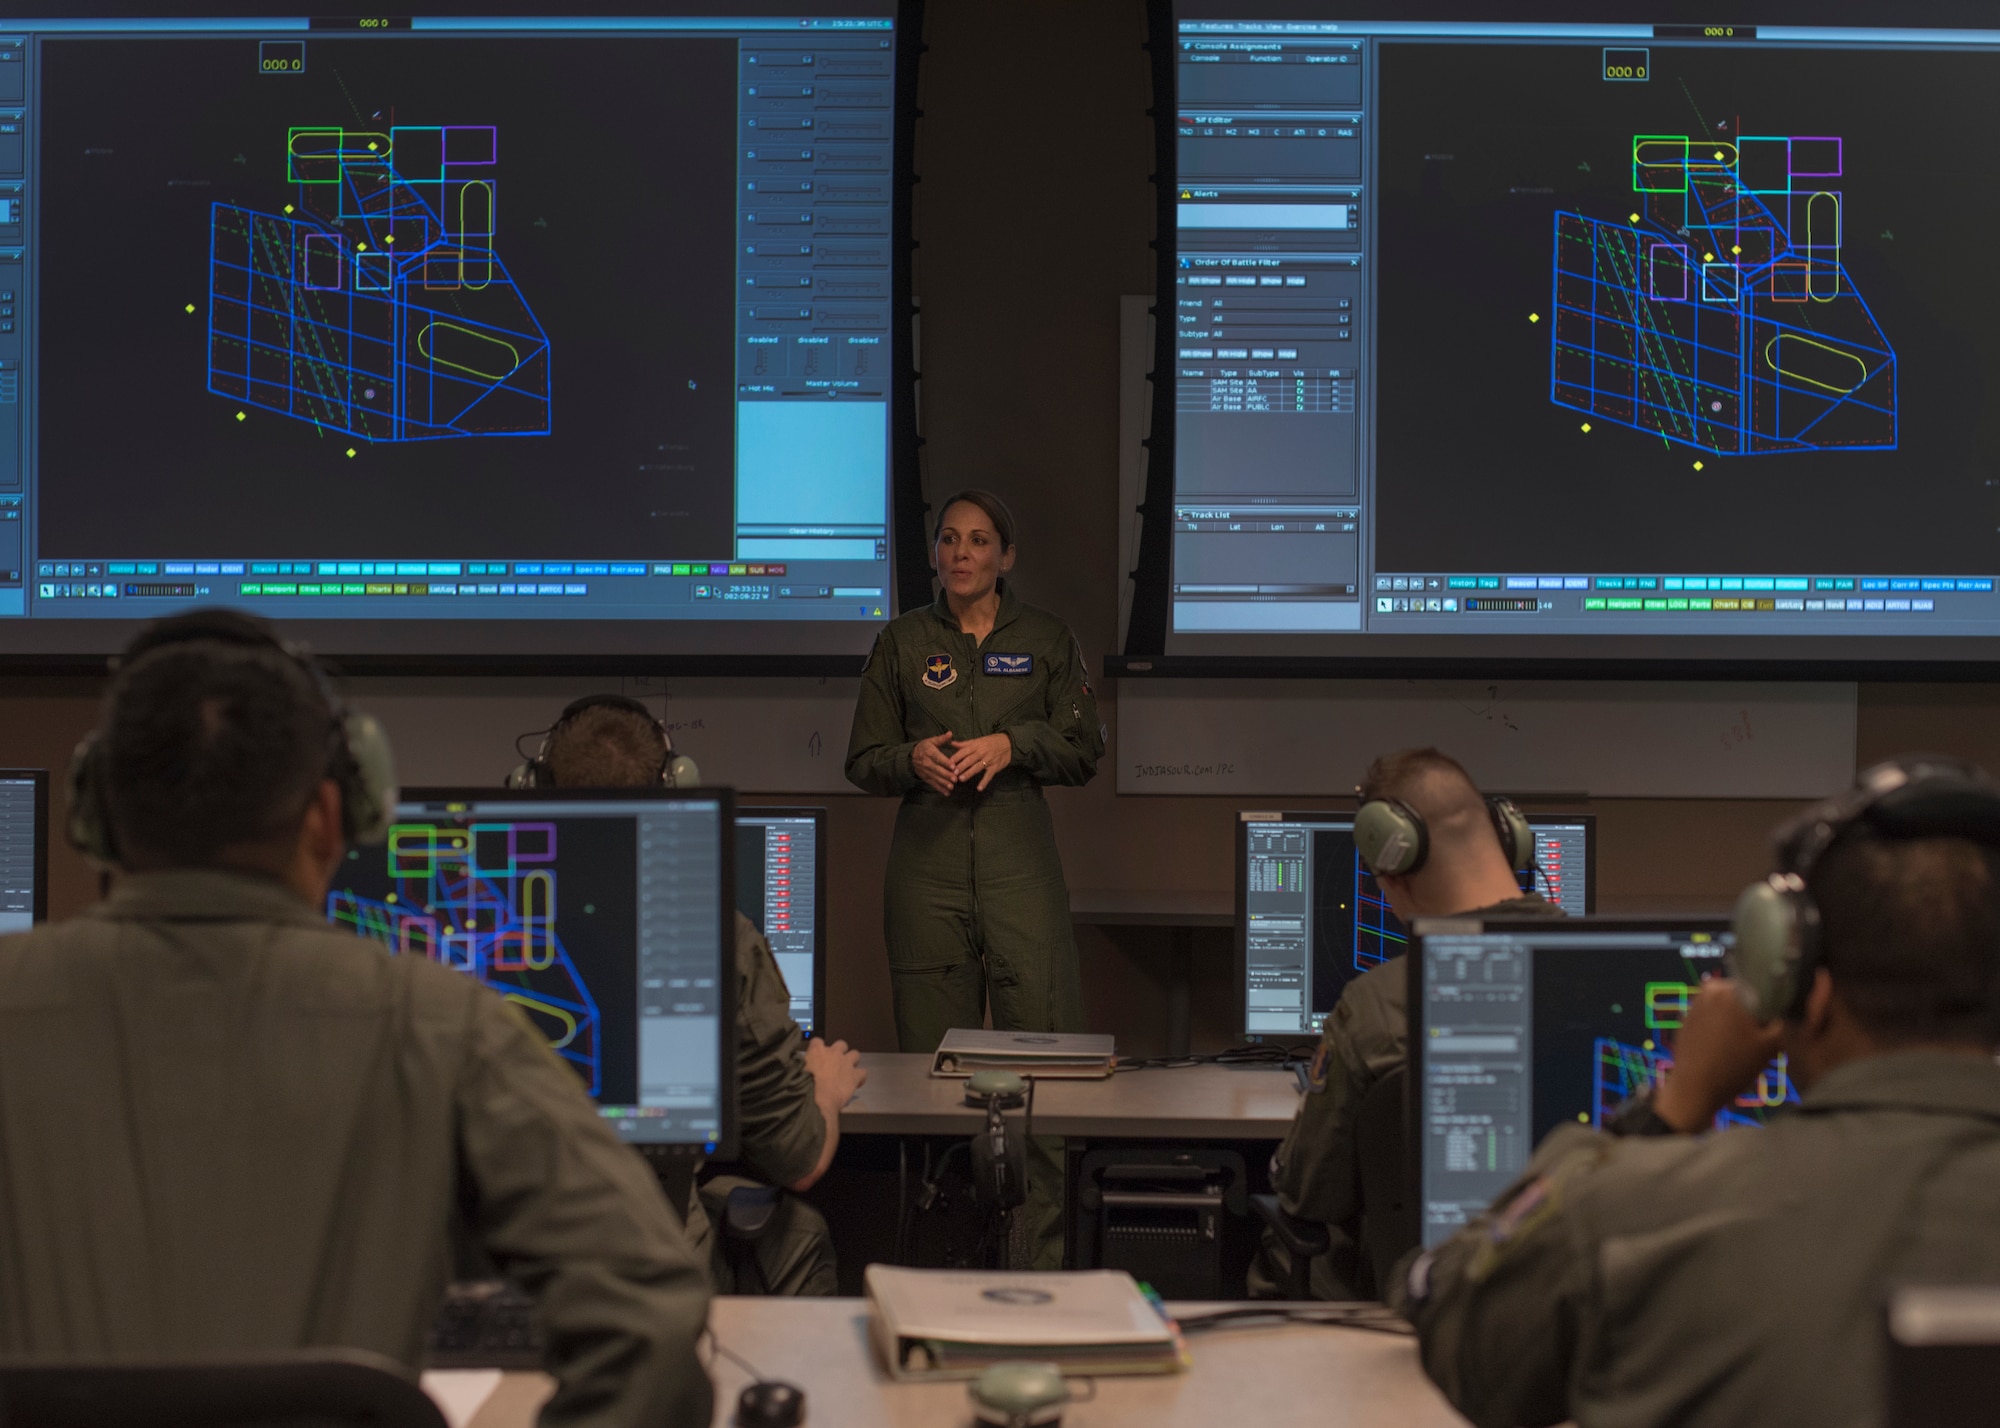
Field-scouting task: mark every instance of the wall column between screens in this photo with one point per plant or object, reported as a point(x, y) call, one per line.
point(1013, 301)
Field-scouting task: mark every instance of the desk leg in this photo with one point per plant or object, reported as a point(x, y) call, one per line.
point(1180, 981)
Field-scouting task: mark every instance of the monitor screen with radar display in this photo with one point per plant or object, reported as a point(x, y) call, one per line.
point(1310, 917)
point(1565, 338)
point(435, 337)
point(607, 917)
point(1517, 1027)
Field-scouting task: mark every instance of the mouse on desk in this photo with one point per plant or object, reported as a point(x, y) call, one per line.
point(771, 1404)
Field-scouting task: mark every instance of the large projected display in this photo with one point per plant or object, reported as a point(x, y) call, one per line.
point(1516, 341)
point(441, 335)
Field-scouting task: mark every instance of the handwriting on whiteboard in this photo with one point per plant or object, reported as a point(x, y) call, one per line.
point(1183, 770)
point(1739, 732)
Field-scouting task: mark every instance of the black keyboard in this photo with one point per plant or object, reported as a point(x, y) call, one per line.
point(490, 1324)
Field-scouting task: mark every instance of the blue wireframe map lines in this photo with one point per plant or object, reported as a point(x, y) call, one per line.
point(1378, 936)
point(375, 303)
point(1620, 1069)
point(1718, 312)
point(482, 900)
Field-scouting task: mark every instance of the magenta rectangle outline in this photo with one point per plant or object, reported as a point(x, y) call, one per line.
point(1653, 271)
point(492, 132)
point(1839, 155)
point(306, 263)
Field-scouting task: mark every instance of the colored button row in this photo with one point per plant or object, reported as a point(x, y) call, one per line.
point(95, 570)
point(1611, 603)
point(369, 587)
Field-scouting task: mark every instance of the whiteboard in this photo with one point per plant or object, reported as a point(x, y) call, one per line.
point(779, 735)
point(1605, 739)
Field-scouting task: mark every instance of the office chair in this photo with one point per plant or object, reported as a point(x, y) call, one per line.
point(1388, 1220)
point(314, 1388)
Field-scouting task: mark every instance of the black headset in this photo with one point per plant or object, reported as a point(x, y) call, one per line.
point(358, 756)
point(1778, 945)
point(677, 770)
point(1392, 837)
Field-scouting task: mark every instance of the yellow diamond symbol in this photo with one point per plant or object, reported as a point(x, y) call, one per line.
point(1708, 257)
point(350, 451)
point(371, 149)
point(239, 416)
point(1586, 426)
point(1697, 466)
point(1718, 152)
point(1635, 218)
point(288, 208)
point(390, 239)
point(190, 307)
point(1737, 249)
point(1532, 317)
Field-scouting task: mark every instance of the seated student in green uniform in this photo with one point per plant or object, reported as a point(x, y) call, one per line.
point(789, 1092)
point(228, 1129)
point(1661, 1274)
point(1438, 848)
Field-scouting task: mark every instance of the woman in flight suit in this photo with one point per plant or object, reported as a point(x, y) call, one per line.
point(967, 708)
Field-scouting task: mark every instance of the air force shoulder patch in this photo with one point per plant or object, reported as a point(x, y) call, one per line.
point(938, 671)
point(1010, 664)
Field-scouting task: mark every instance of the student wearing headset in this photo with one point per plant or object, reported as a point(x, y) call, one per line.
point(1437, 848)
point(227, 1128)
point(789, 1092)
point(1654, 1274)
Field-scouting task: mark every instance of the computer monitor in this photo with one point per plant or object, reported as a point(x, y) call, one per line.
point(1518, 1026)
point(1310, 918)
point(605, 916)
point(781, 886)
point(481, 334)
point(1422, 395)
point(24, 848)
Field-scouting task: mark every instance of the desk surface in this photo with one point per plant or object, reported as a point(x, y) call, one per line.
point(1330, 1377)
point(1191, 1102)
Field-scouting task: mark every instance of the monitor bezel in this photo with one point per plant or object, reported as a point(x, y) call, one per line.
point(818, 815)
point(1413, 1101)
point(726, 1143)
point(40, 779)
point(1241, 949)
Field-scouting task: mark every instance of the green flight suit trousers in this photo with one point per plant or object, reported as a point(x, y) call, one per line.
point(975, 906)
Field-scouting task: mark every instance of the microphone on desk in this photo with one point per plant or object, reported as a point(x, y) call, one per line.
point(1000, 1150)
point(1019, 1394)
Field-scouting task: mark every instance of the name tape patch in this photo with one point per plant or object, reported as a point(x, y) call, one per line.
point(1010, 664)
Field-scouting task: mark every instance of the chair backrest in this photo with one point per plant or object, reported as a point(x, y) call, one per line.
point(1388, 1199)
point(334, 1388)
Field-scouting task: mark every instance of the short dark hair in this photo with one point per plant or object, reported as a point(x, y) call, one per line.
point(605, 746)
point(995, 509)
point(1910, 933)
point(1403, 774)
point(208, 743)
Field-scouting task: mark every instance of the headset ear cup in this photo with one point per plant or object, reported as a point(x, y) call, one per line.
point(1517, 834)
point(1771, 922)
point(681, 772)
point(371, 793)
point(89, 822)
point(1390, 837)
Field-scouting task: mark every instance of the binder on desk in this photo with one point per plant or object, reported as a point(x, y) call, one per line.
point(947, 1323)
point(1052, 1054)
